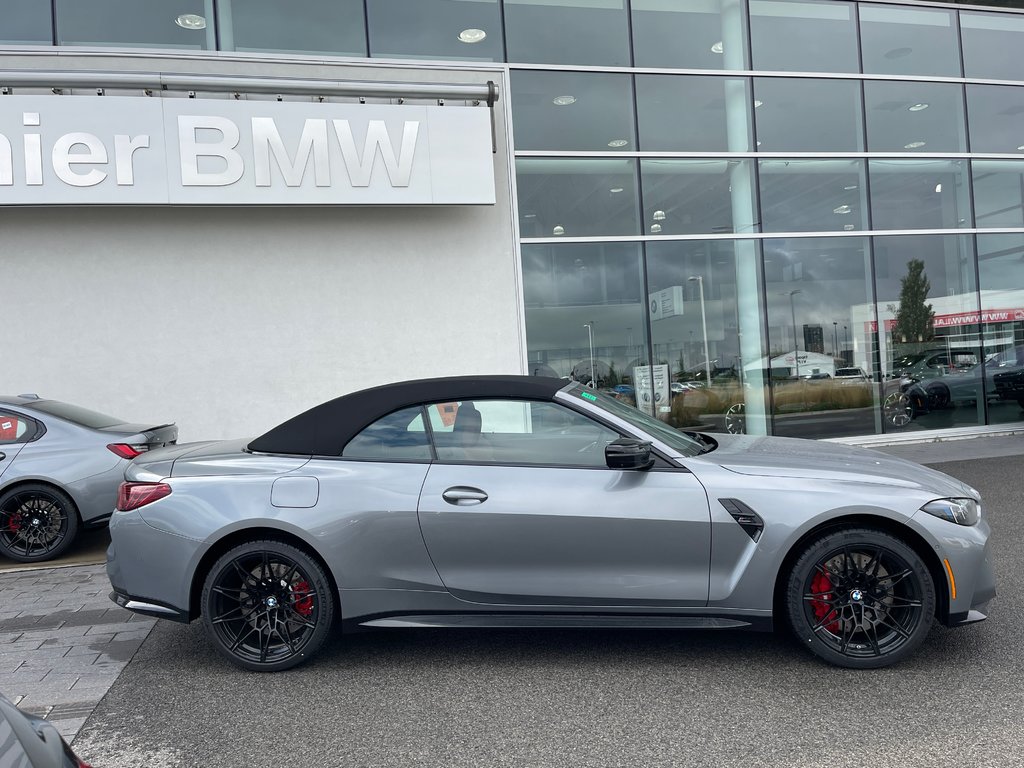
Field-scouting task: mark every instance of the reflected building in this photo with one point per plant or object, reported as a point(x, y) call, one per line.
point(731, 189)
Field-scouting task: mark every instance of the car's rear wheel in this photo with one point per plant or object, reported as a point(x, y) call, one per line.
point(897, 410)
point(860, 598)
point(267, 606)
point(37, 522)
point(736, 419)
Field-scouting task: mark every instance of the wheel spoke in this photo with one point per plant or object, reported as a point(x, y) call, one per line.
point(243, 633)
point(896, 578)
point(888, 621)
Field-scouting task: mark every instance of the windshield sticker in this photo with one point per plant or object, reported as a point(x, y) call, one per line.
point(588, 396)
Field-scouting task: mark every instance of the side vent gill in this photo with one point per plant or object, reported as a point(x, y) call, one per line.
point(748, 519)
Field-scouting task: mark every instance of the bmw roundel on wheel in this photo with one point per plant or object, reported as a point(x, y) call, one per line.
point(514, 501)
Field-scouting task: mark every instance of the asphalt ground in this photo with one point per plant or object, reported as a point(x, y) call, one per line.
point(587, 698)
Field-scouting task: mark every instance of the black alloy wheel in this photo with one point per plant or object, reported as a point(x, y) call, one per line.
point(860, 598)
point(37, 523)
point(898, 410)
point(267, 606)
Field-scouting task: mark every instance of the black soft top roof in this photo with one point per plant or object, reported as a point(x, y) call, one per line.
point(325, 429)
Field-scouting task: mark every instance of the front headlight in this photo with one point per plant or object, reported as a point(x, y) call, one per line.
point(960, 511)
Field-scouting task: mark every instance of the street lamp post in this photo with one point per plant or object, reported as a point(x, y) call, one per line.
point(590, 338)
point(704, 324)
point(835, 338)
point(796, 344)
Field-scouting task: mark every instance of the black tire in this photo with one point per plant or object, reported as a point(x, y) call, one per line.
point(898, 410)
point(37, 522)
point(860, 598)
point(267, 606)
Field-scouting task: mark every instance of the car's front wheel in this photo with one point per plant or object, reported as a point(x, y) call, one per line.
point(37, 522)
point(860, 598)
point(267, 606)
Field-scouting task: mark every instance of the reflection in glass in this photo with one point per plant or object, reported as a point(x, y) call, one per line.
point(313, 26)
point(822, 360)
point(572, 111)
point(812, 195)
point(998, 192)
point(909, 41)
point(25, 23)
point(991, 45)
point(1002, 306)
point(693, 35)
point(568, 32)
point(435, 29)
point(692, 113)
point(914, 117)
point(919, 194)
point(825, 30)
point(169, 24)
point(692, 196)
point(693, 288)
point(585, 302)
point(805, 115)
point(577, 197)
point(930, 340)
point(996, 118)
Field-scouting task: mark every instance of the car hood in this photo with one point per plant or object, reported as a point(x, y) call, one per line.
point(814, 459)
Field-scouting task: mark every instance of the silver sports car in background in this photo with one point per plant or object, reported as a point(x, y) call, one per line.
point(60, 467)
point(508, 501)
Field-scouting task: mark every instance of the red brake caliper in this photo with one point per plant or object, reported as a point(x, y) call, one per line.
point(822, 585)
point(14, 523)
point(303, 605)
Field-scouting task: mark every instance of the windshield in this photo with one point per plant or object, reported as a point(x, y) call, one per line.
point(673, 438)
point(907, 360)
point(80, 416)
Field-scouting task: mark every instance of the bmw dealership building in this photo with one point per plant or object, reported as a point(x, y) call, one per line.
point(790, 217)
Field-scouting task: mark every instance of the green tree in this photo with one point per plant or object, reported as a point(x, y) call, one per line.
point(915, 318)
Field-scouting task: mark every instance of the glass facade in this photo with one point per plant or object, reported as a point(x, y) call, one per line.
point(793, 217)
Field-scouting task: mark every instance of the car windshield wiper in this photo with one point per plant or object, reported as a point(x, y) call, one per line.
point(708, 444)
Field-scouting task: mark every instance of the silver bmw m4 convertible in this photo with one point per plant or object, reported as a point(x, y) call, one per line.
point(511, 501)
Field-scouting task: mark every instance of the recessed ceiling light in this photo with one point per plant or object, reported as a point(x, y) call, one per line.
point(849, 227)
point(938, 187)
point(842, 210)
point(614, 190)
point(1020, 148)
point(917, 107)
point(658, 216)
point(562, 101)
point(655, 229)
point(472, 35)
point(848, 187)
point(558, 230)
point(617, 143)
point(914, 145)
point(757, 103)
point(717, 47)
point(191, 21)
point(529, 215)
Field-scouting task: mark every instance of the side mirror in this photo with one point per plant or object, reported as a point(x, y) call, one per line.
point(627, 453)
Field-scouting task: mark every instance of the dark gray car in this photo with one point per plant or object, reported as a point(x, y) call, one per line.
point(528, 502)
point(60, 466)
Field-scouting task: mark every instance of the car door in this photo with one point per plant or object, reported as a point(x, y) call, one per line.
point(15, 432)
point(525, 511)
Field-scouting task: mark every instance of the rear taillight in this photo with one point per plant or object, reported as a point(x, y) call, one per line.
point(126, 451)
point(134, 495)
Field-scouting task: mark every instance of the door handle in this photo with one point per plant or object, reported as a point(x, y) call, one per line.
point(462, 496)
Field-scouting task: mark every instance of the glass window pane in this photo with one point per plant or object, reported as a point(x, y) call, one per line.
point(691, 113)
point(998, 193)
point(708, 34)
point(591, 32)
point(825, 30)
point(577, 197)
point(928, 308)
point(919, 194)
point(25, 22)
point(399, 436)
point(991, 44)
point(812, 195)
point(996, 118)
point(914, 117)
point(313, 26)
point(909, 41)
point(573, 111)
point(805, 115)
point(708, 285)
point(169, 24)
point(585, 302)
point(819, 324)
point(1000, 258)
point(683, 197)
point(436, 29)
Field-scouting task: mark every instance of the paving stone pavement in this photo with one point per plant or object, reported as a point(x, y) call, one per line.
point(63, 642)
